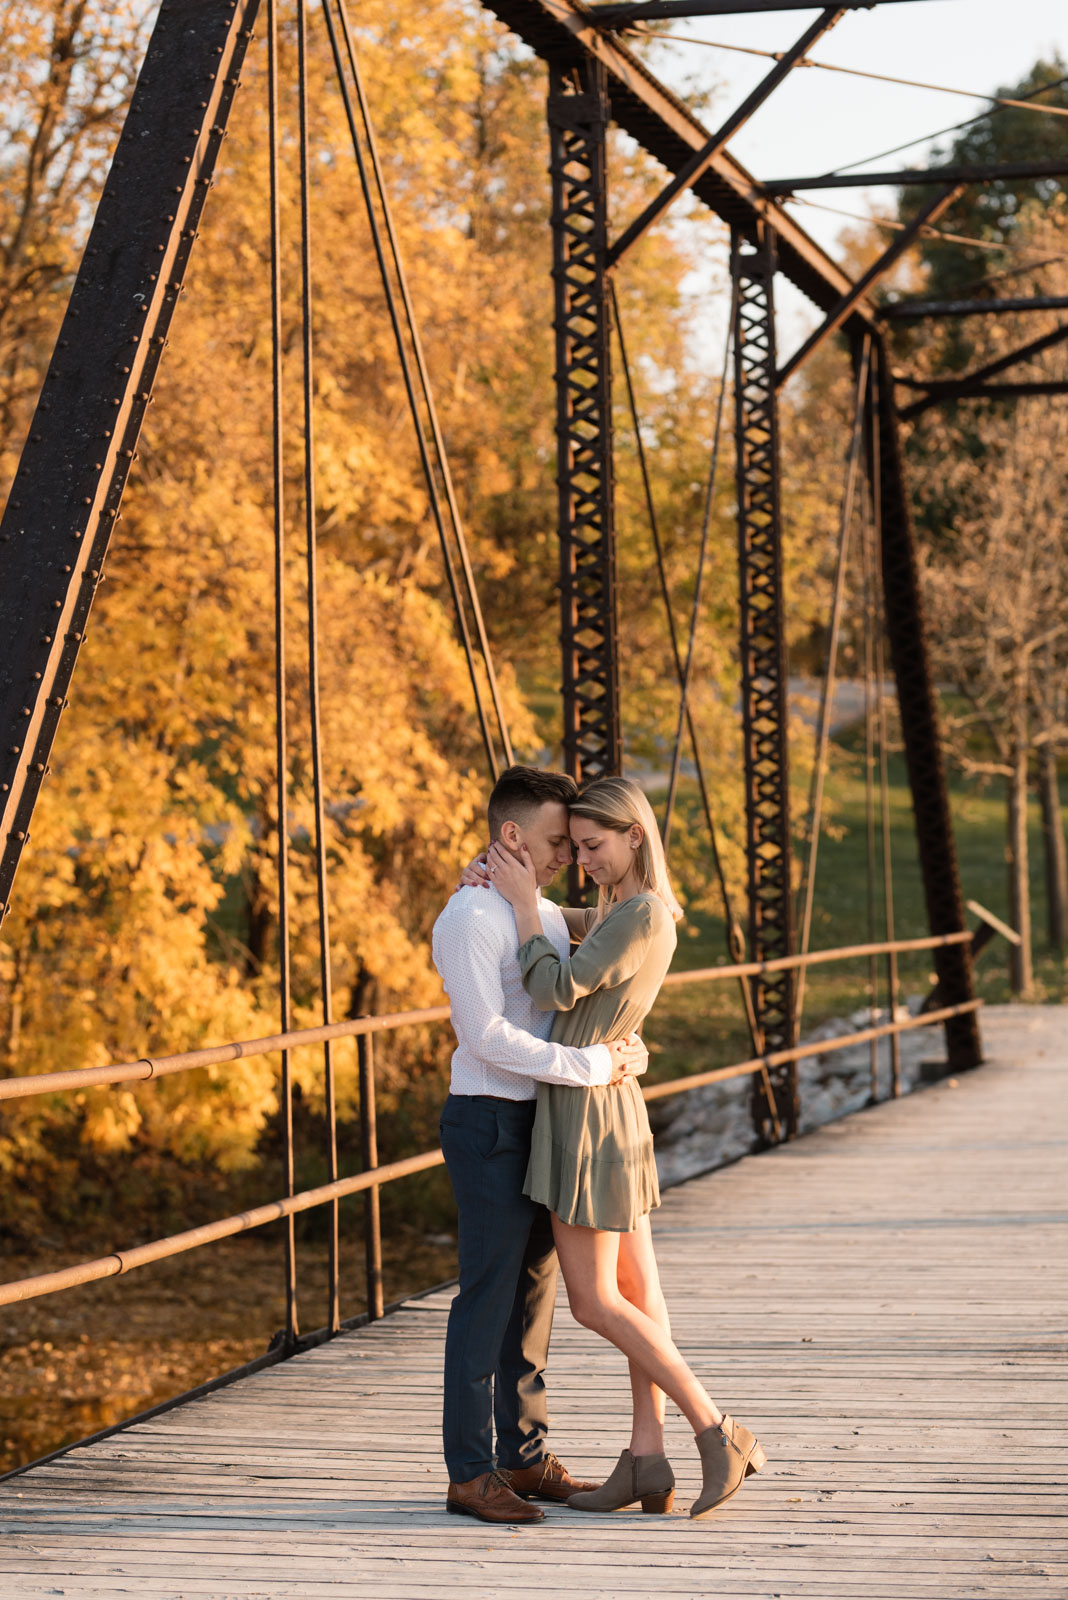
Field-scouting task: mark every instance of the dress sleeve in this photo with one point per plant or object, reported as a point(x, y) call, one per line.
point(579, 920)
point(609, 955)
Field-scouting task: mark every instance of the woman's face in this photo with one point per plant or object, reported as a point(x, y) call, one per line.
point(603, 854)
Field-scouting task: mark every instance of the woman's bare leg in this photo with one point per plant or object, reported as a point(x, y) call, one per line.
point(639, 1282)
point(589, 1260)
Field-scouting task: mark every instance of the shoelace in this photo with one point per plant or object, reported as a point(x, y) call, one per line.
point(498, 1480)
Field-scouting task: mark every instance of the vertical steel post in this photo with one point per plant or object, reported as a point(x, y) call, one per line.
point(918, 707)
point(578, 123)
point(763, 660)
point(372, 1218)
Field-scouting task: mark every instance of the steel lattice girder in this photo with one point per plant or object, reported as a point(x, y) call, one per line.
point(765, 706)
point(578, 124)
point(65, 500)
point(564, 34)
point(918, 705)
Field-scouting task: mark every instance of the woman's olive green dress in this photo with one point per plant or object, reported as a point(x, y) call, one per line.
point(591, 1152)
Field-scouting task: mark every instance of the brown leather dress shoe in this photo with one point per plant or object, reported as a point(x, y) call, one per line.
point(549, 1480)
point(490, 1498)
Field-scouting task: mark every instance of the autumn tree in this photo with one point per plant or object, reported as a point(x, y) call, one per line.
point(997, 579)
point(146, 910)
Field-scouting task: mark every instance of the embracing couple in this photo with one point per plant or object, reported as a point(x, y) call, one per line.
point(547, 1143)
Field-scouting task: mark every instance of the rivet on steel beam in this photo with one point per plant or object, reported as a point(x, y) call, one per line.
point(13, 749)
point(38, 766)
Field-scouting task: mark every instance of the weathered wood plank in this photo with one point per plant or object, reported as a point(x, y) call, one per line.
point(885, 1302)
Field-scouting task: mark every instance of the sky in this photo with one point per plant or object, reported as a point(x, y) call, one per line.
point(816, 120)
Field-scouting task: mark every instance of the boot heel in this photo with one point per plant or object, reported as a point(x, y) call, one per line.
point(757, 1460)
point(658, 1503)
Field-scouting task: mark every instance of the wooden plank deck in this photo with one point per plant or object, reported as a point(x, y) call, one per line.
point(883, 1302)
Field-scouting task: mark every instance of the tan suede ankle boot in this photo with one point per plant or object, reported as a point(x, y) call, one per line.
point(728, 1454)
point(645, 1478)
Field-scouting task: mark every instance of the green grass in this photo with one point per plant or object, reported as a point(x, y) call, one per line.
point(695, 1028)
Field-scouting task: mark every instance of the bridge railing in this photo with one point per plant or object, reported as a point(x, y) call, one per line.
point(374, 1176)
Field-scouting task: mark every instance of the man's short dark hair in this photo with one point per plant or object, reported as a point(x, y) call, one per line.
point(519, 791)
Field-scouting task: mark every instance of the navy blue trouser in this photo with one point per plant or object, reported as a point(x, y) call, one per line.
point(500, 1321)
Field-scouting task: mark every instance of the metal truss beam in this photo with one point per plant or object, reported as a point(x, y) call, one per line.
point(563, 32)
point(992, 173)
point(973, 308)
point(838, 316)
point(765, 708)
point(918, 707)
point(994, 391)
point(938, 389)
point(56, 529)
point(702, 159)
point(578, 125)
point(623, 16)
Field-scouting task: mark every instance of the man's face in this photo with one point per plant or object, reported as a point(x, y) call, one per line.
point(548, 840)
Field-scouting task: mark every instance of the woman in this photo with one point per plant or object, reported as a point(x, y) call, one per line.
point(591, 1159)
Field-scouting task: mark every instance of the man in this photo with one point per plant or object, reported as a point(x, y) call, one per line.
point(499, 1324)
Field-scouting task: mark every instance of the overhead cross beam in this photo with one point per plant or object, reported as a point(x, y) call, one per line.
point(65, 500)
point(990, 172)
point(973, 308)
point(1000, 391)
point(878, 269)
point(624, 16)
point(702, 159)
point(939, 389)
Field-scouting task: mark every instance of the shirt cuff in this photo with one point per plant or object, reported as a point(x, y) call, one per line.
point(600, 1059)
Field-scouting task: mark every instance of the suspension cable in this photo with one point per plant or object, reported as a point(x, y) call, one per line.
point(734, 938)
point(334, 1310)
point(870, 692)
point(281, 743)
point(819, 768)
point(996, 100)
point(424, 383)
point(424, 380)
point(884, 775)
point(926, 232)
point(706, 523)
point(940, 133)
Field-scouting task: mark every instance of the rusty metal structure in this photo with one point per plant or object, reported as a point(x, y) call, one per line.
point(56, 528)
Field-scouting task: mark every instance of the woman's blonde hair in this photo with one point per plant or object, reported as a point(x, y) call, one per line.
point(619, 803)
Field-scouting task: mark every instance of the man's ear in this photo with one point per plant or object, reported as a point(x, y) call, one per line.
point(510, 836)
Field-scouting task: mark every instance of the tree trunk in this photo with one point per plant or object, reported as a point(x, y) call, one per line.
point(258, 926)
point(1021, 972)
point(1056, 854)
